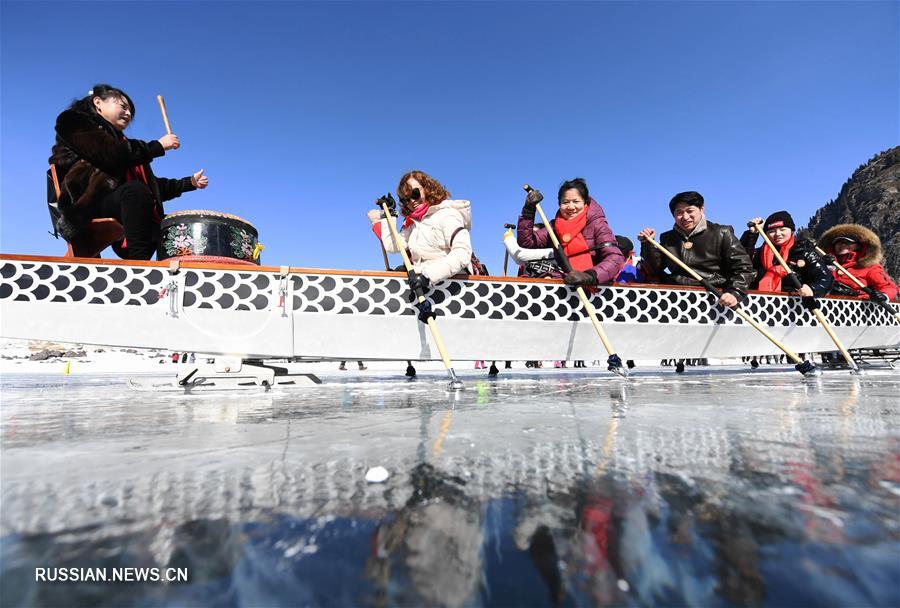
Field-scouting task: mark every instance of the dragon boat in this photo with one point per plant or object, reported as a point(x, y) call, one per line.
point(267, 312)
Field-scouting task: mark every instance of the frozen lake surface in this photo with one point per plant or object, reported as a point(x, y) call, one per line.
point(550, 487)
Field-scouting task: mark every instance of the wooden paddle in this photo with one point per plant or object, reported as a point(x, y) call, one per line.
point(505, 250)
point(613, 362)
point(807, 368)
point(455, 383)
point(165, 116)
point(811, 303)
point(410, 370)
point(887, 307)
point(55, 179)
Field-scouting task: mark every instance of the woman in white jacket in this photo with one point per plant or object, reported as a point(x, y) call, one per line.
point(435, 228)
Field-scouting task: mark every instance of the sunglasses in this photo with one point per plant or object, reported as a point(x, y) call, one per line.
point(415, 195)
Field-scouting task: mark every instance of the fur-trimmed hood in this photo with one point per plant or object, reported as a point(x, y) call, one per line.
point(870, 244)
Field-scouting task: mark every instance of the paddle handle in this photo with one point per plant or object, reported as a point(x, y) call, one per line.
point(843, 270)
point(887, 307)
point(55, 178)
point(592, 313)
point(420, 297)
point(837, 341)
point(775, 251)
point(387, 263)
point(737, 310)
point(815, 304)
point(563, 258)
point(684, 266)
point(165, 115)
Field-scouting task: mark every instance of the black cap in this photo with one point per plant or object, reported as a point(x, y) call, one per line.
point(625, 244)
point(843, 237)
point(779, 219)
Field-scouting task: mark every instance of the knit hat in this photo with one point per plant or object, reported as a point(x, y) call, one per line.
point(625, 244)
point(779, 219)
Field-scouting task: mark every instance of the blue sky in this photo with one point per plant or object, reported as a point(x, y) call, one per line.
point(303, 113)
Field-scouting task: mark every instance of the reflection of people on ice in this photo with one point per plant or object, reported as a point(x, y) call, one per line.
point(436, 540)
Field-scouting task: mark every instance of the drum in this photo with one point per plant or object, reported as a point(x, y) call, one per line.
point(207, 236)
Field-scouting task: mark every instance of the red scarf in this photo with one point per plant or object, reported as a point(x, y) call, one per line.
point(771, 280)
point(417, 214)
point(848, 260)
point(573, 242)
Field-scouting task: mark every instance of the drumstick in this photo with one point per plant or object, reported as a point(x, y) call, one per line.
point(55, 180)
point(162, 108)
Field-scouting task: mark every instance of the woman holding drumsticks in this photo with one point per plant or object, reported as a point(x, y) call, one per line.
point(102, 173)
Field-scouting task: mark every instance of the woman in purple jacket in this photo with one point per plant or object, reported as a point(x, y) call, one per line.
point(583, 233)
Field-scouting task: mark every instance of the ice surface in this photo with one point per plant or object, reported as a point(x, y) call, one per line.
point(716, 487)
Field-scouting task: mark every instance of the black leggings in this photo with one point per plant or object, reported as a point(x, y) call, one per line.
point(132, 204)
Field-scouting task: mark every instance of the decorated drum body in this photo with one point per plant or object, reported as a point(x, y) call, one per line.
point(207, 236)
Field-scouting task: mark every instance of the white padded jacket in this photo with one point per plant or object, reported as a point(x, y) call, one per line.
point(429, 241)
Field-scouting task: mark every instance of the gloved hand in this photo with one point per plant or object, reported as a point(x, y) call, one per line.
point(387, 199)
point(576, 277)
point(418, 283)
point(840, 289)
point(531, 200)
point(791, 282)
point(425, 311)
point(809, 303)
point(874, 295)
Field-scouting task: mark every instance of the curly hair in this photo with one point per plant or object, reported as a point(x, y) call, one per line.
point(435, 192)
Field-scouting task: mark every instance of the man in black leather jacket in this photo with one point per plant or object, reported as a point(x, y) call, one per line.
point(711, 250)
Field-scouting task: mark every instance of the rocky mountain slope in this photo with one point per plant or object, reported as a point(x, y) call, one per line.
point(871, 197)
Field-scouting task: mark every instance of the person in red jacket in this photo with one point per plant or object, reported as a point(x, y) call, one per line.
point(858, 249)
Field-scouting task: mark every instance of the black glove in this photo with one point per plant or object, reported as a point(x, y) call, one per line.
point(791, 282)
point(388, 200)
point(531, 200)
point(874, 295)
point(576, 277)
point(840, 289)
point(425, 311)
point(809, 303)
point(418, 283)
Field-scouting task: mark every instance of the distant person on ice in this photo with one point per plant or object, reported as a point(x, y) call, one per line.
point(799, 253)
point(711, 250)
point(435, 228)
point(102, 173)
point(583, 233)
point(858, 249)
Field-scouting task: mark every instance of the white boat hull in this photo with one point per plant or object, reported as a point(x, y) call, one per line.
point(291, 312)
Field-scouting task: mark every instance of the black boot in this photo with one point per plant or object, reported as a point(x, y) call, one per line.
point(679, 367)
point(410, 370)
point(493, 371)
